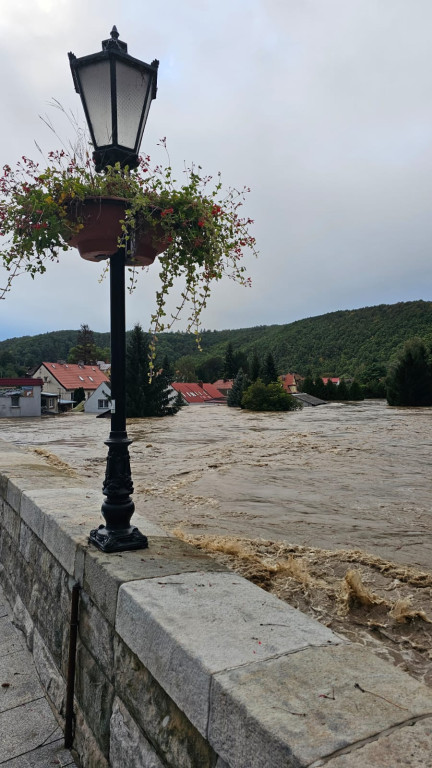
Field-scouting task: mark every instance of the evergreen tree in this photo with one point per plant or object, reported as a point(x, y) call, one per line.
point(410, 379)
point(236, 392)
point(179, 402)
point(168, 369)
point(255, 367)
point(85, 350)
point(355, 391)
point(229, 363)
point(342, 391)
point(320, 388)
point(308, 386)
point(78, 396)
point(241, 361)
point(269, 373)
point(144, 398)
point(331, 390)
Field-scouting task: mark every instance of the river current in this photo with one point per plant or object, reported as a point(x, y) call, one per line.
point(328, 508)
point(349, 476)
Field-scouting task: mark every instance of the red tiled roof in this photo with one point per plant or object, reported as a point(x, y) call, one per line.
point(289, 382)
point(72, 375)
point(214, 392)
point(193, 393)
point(223, 384)
point(335, 380)
point(288, 379)
point(21, 383)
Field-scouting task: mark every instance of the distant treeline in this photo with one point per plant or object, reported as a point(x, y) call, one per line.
point(348, 343)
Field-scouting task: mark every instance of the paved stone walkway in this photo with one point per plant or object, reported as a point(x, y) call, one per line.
point(29, 734)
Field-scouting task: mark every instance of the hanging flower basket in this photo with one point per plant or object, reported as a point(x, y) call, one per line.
point(195, 223)
point(101, 233)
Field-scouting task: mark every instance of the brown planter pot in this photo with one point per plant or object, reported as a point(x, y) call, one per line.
point(99, 237)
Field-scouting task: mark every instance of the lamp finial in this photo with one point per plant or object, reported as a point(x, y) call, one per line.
point(114, 42)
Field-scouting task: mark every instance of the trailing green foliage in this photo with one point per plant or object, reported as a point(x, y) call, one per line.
point(410, 379)
point(268, 397)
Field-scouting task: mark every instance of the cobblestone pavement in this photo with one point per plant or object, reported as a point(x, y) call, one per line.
point(29, 734)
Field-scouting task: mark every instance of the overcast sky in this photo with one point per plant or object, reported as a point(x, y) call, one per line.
point(322, 107)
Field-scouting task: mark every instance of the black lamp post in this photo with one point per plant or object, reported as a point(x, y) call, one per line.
point(116, 92)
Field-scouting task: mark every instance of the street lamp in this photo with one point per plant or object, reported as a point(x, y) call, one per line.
point(116, 92)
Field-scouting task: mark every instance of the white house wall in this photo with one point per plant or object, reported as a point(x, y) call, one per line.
point(28, 406)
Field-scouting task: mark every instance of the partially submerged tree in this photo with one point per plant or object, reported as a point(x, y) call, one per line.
point(410, 379)
point(268, 397)
point(269, 372)
point(78, 396)
point(144, 398)
point(235, 394)
point(255, 367)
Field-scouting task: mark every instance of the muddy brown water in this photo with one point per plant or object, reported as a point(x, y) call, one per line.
point(335, 476)
point(293, 501)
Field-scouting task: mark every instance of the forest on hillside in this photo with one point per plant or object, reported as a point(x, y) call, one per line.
point(343, 343)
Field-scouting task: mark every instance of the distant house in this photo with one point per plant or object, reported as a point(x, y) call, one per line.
point(20, 397)
point(100, 399)
point(224, 386)
point(63, 378)
point(105, 367)
point(289, 382)
point(335, 380)
point(50, 403)
point(198, 393)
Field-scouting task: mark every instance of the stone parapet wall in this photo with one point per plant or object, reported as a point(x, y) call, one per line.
point(182, 663)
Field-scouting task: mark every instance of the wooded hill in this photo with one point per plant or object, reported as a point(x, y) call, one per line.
point(342, 343)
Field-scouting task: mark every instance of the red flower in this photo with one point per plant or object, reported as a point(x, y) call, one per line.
point(167, 211)
point(201, 223)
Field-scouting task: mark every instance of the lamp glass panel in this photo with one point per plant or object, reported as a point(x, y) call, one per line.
point(95, 84)
point(146, 111)
point(132, 87)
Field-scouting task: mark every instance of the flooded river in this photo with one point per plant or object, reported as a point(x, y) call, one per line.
point(336, 476)
point(329, 508)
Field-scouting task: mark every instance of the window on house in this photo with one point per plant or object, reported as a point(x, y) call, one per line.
point(15, 401)
point(102, 404)
point(80, 378)
point(91, 379)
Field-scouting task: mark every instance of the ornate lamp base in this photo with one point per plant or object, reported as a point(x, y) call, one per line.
point(122, 540)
